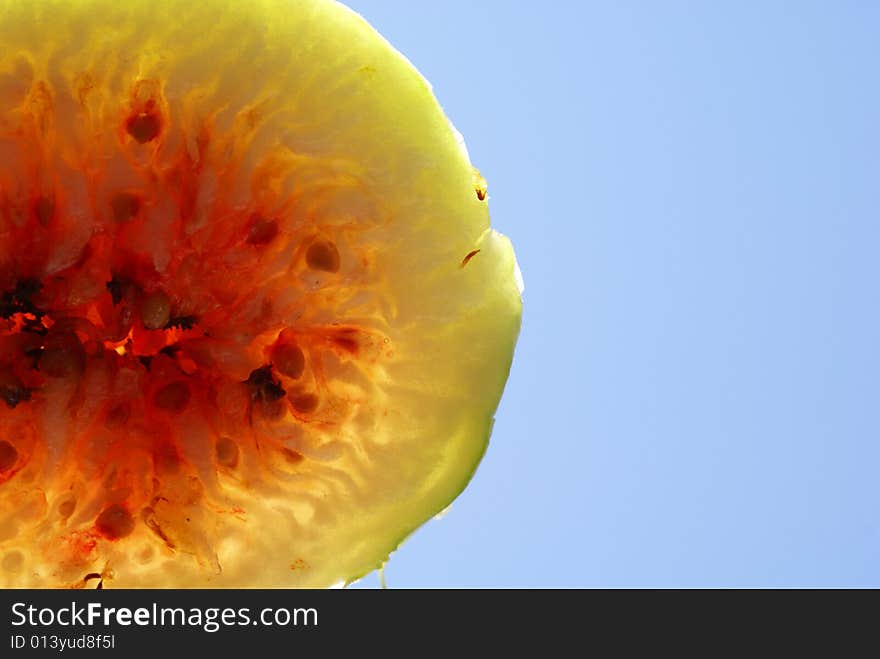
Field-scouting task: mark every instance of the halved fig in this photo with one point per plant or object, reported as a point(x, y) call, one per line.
point(254, 324)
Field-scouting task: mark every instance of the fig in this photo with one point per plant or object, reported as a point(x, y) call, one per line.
point(254, 323)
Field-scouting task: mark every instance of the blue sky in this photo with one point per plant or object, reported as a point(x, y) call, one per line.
point(692, 189)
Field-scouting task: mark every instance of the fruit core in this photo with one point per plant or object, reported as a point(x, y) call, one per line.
point(151, 329)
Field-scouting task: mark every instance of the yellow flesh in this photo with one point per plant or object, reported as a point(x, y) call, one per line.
point(301, 111)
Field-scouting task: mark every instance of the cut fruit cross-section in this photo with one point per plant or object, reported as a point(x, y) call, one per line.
point(254, 323)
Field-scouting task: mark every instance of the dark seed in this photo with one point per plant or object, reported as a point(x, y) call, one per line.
point(125, 206)
point(114, 522)
point(227, 452)
point(304, 403)
point(143, 127)
point(262, 231)
point(44, 209)
point(289, 360)
point(263, 385)
point(173, 397)
point(323, 255)
point(12, 391)
point(8, 456)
